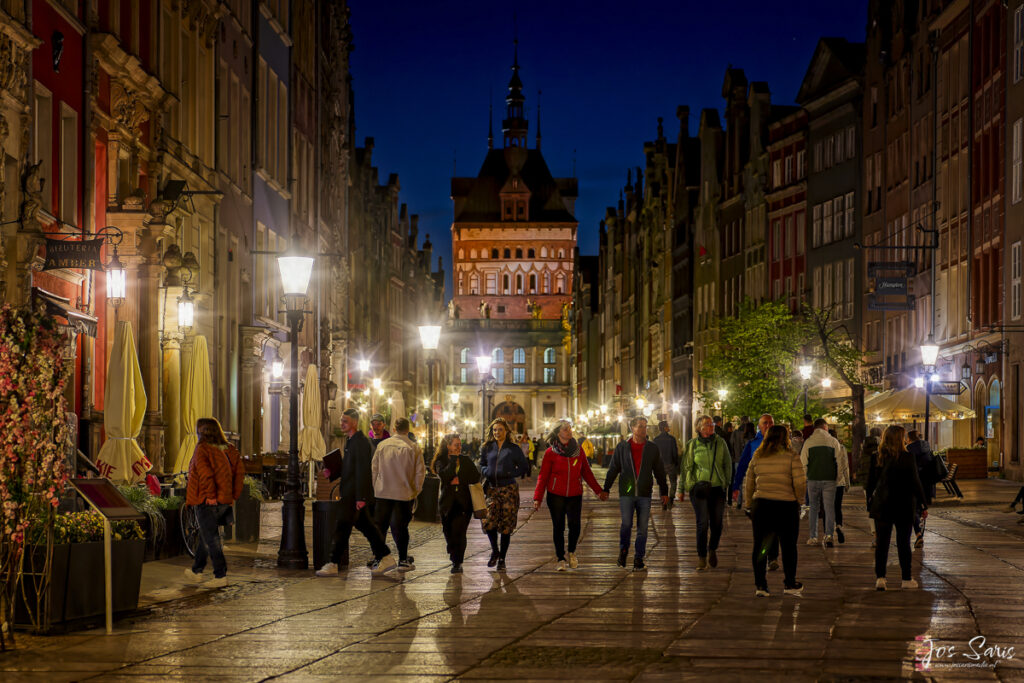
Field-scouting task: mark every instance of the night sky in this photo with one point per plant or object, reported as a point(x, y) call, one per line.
point(424, 72)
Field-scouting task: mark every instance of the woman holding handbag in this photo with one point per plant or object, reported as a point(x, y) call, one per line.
point(458, 475)
point(562, 473)
point(706, 473)
point(896, 496)
point(501, 464)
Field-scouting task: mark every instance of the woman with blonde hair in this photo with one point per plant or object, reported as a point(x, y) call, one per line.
point(774, 488)
point(894, 498)
point(456, 472)
point(501, 463)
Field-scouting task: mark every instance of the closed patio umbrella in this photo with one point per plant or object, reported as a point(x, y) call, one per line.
point(311, 442)
point(196, 400)
point(120, 459)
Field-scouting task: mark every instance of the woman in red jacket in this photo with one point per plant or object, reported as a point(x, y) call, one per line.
point(562, 473)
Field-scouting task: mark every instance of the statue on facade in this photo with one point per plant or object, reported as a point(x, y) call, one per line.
point(485, 309)
point(534, 309)
point(453, 310)
point(32, 184)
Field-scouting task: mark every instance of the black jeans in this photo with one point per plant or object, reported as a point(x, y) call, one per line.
point(395, 514)
point(883, 528)
point(776, 524)
point(562, 507)
point(360, 520)
point(454, 524)
point(1020, 496)
point(209, 518)
point(710, 511)
point(840, 490)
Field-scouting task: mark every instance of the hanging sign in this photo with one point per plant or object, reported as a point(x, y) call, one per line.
point(891, 286)
point(81, 254)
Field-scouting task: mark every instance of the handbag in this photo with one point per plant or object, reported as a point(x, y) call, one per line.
point(476, 495)
point(702, 489)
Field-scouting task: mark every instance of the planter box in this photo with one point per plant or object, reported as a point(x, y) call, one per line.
point(171, 545)
point(85, 591)
point(973, 462)
point(56, 589)
point(247, 518)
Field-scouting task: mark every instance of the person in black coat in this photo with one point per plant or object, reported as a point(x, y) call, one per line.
point(896, 498)
point(456, 472)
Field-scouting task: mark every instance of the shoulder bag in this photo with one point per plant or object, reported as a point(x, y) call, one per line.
point(702, 489)
point(476, 494)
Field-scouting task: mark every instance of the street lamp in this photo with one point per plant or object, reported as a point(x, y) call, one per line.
point(826, 382)
point(929, 356)
point(296, 272)
point(117, 281)
point(805, 374)
point(483, 367)
point(364, 365)
point(430, 337)
point(722, 393)
point(277, 367)
point(186, 310)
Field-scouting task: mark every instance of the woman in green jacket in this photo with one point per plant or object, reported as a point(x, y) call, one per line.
point(706, 473)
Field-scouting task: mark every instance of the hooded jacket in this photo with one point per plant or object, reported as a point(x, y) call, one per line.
point(633, 483)
point(398, 469)
point(563, 475)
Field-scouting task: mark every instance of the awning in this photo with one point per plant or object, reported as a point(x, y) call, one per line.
point(59, 307)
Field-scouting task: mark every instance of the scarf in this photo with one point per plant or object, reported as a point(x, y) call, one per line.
point(568, 450)
point(707, 441)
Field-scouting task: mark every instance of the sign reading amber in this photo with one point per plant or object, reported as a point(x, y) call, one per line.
point(82, 254)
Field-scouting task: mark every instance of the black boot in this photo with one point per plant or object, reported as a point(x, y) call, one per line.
point(622, 558)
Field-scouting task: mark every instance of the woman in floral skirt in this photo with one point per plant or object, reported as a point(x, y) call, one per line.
point(501, 463)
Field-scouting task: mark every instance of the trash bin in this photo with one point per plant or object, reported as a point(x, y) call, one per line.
point(426, 502)
point(325, 520)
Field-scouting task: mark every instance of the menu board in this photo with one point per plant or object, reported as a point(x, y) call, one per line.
point(105, 497)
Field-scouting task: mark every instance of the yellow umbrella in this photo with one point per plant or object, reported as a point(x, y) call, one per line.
point(120, 459)
point(196, 400)
point(907, 405)
point(311, 441)
point(876, 397)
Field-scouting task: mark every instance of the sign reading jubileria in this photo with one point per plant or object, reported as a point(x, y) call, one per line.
point(82, 254)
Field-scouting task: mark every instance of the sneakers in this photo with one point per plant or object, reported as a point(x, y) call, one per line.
point(712, 559)
point(216, 582)
point(501, 564)
point(796, 588)
point(638, 564)
point(383, 565)
point(1010, 508)
point(702, 564)
point(829, 543)
point(773, 566)
point(840, 536)
point(494, 559)
point(329, 569)
point(456, 569)
point(573, 562)
point(622, 559)
point(192, 577)
point(919, 541)
point(561, 566)
point(813, 541)
point(880, 584)
point(762, 593)
point(804, 509)
point(908, 584)
point(406, 565)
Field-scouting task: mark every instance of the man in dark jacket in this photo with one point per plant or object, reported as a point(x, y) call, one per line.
point(356, 496)
point(639, 463)
point(925, 460)
point(668, 447)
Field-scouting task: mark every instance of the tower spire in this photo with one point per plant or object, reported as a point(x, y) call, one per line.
point(538, 118)
point(515, 125)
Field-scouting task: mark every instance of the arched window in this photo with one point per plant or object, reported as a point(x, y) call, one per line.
point(508, 253)
point(519, 253)
point(547, 283)
point(530, 253)
point(533, 284)
point(464, 356)
point(561, 253)
point(497, 356)
point(472, 253)
point(462, 254)
point(543, 252)
point(494, 253)
point(505, 287)
point(560, 284)
point(519, 283)
point(474, 284)
point(460, 284)
point(549, 355)
point(519, 356)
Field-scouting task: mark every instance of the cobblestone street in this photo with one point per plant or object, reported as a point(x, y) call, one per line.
point(599, 622)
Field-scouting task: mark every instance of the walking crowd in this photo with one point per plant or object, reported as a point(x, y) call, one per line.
point(776, 475)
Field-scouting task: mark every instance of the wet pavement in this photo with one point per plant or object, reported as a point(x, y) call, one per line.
point(599, 622)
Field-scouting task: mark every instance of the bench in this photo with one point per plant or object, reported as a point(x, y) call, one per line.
point(949, 481)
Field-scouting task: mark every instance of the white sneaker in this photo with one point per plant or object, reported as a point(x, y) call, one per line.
point(384, 564)
point(908, 584)
point(192, 577)
point(573, 562)
point(329, 569)
point(804, 509)
point(216, 583)
point(813, 541)
point(560, 567)
point(880, 584)
point(762, 593)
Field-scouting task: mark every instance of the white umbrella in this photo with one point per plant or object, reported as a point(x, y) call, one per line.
point(908, 405)
point(120, 459)
point(311, 442)
point(197, 401)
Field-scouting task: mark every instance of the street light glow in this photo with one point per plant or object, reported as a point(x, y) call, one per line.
point(675, 407)
point(935, 377)
point(117, 281)
point(640, 402)
point(454, 397)
point(483, 365)
point(826, 382)
point(277, 368)
point(186, 310)
point(376, 383)
point(805, 372)
point(919, 382)
point(722, 393)
point(929, 352)
point(430, 336)
point(295, 274)
point(364, 365)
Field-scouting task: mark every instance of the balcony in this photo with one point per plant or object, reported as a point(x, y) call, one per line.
point(461, 325)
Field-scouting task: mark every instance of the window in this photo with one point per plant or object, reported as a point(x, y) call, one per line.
point(494, 253)
point(826, 223)
point(68, 164)
point(543, 252)
point(498, 374)
point(548, 409)
point(851, 142)
point(1018, 44)
point(817, 157)
point(519, 283)
point(464, 355)
point(547, 283)
point(533, 283)
point(508, 253)
point(530, 253)
point(1016, 173)
point(849, 215)
point(549, 355)
point(561, 253)
point(560, 284)
point(826, 293)
point(839, 147)
point(776, 240)
point(828, 152)
point(497, 356)
point(789, 169)
point(492, 283)
point(801, 163)
point(464, 375)
point(837, 217)
point(816, 226)
point(874, 106)
point(519, 356)
point(816, 292)
point(549, 375)
point(788, 235)
point(849, 287)
point(44, 143)
point(777, 173)
point(837, 291)
point(801, 232)
point(506, 287)
point(519, 253)
point(1015, 280)
point(776, 289)
point(474, 283)
point(518, 375)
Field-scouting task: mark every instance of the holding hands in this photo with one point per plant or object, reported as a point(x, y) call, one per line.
point(603, 495)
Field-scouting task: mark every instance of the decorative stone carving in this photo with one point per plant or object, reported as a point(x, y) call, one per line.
point(126, 108)
point(32, 183)
point(4, 133)
point(13, 67)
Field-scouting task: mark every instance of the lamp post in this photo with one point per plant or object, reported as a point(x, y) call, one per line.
point(722, 393)
point(805, 374)
point(430, 337)
point(295, 274)
point(483, 366)
point(929, 356)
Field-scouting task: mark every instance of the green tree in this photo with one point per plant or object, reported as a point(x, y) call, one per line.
point(755, 359)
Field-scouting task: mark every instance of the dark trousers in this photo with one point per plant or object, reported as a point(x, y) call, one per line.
point(562, 507)
point(396, 515)
point(454, 524)
point(359, 520)
point(210, 546)
point(883, 528)
point(1020, 496)
point(840, 490)
point(709, 511)
point(776, 524)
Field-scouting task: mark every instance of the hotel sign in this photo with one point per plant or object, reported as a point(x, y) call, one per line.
point(81, 254)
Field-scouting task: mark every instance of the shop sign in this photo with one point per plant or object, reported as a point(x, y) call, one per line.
point(79, 254)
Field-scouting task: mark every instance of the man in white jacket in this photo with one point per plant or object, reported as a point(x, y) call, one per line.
point(398, 471)
point(825, 463)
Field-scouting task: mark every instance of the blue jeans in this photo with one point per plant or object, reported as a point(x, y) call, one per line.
point(822, 493)
point(208, 517)
point(641, 505)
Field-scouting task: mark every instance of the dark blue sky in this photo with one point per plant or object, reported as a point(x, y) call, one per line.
point(423, 71)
